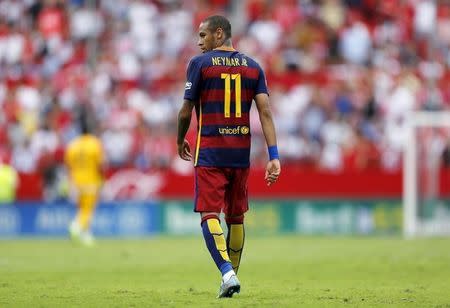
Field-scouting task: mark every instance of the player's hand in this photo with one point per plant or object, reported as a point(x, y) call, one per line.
point(273, 170)
point(184, 150)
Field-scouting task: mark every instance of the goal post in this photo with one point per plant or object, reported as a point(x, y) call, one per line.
point(414, 224)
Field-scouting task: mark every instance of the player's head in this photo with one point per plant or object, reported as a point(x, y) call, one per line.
point(85, 125)
point(213, 32)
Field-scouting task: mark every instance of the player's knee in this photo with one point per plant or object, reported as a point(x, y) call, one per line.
point(234, 219)
point(206, 216)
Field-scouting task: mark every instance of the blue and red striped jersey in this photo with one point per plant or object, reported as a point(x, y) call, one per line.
point(223, 84)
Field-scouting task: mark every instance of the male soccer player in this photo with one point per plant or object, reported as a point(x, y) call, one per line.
point(221, 85)
point(84, 160)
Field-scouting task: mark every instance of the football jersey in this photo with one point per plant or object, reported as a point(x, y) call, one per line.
point(223, 85)
point(84, 156)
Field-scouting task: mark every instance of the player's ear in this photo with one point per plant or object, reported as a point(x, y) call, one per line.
point(219, 33)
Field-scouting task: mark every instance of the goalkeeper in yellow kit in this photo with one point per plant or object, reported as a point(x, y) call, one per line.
point(84, 160)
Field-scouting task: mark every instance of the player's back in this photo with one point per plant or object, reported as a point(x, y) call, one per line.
point(84, 157)
point(224, 89)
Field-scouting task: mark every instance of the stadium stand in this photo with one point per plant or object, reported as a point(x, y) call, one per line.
point(343, 75)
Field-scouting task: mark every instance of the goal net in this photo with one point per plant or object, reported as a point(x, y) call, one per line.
point(426, 175)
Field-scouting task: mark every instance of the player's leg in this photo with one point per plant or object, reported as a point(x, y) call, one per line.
point(215, 241)
point(87, 208)
point(235, 239)
point(75, 228)
point(236, 206)
point(87, 202)
point(80, 228)
point(209, 200)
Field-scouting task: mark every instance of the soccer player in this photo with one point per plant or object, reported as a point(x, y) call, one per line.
point(221, 85)
point(84, 160)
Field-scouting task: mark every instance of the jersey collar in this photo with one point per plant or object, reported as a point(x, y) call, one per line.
point(225, 48)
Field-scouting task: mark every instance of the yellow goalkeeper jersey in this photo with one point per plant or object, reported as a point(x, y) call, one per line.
point(84, 158)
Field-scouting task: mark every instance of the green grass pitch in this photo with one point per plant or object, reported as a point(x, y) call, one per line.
point(284, 271)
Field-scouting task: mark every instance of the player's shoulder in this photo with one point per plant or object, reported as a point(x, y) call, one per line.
point(93, 140)
point(250, 61)
point(92, 137)
point(83, 141)
point(71, 147)
point(198, 60)
point(73, 143)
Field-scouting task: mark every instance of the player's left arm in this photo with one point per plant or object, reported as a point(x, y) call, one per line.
point(184, 120)
point(273, 167)
point(68, 158)
point(68, 163)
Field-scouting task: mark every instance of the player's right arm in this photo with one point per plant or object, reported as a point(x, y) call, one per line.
point(191, 96)
point(184, 120)
point(273, 167)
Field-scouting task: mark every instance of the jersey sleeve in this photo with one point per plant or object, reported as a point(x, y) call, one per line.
point(261, 84)
point(193, 78)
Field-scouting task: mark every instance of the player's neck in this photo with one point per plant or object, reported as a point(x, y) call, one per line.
point(226, 46)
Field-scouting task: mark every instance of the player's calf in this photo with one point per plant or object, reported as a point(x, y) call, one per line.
point(235, 239)
point(216, 244)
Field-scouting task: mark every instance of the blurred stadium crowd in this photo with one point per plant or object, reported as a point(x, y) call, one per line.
point(342, 75)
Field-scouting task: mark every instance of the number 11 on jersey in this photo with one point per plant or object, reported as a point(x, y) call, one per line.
point(237, 92)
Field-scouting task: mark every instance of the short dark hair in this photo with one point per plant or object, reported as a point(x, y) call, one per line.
point(84, 121)
point(218, 21)
point(85, 127)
